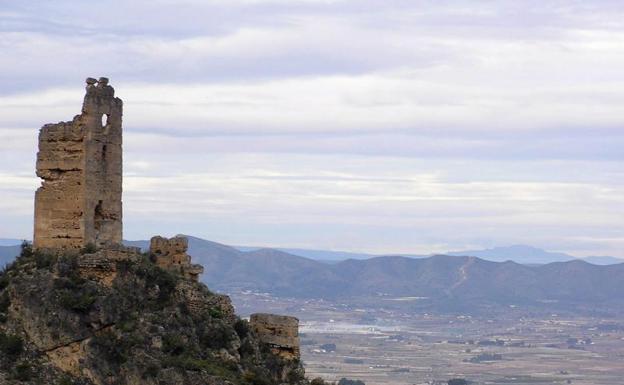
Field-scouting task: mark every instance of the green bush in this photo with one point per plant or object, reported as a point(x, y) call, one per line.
point(69, 273)
point(151, 371)
point(22, 372)
point(11, 346)
point(214, 336)
point(44, 260)
point(166, 284)
point(174, 344)
point(215, 368)
point(65, 380)
point(26, 250)
point(127, 324)
point(257, 377)
point(185, 362)
point(29, 256)
point(78, 301)
point(73, 291)
point(155, 276)
point(64, 283)
point(4, 279)
point(241, 327)
point(112, 349)
point(295, 376)
point(215, 312)
point(5, 302)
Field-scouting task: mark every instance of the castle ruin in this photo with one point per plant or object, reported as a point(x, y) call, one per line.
point(79, 204)
point(79, 201)
point(80, 162)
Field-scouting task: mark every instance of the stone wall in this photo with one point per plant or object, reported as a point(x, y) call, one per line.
point(80, 162)
point(279, 332)
point(101, 265)
point(170, 254)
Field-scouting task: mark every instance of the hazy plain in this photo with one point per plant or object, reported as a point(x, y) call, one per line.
point(382, 345)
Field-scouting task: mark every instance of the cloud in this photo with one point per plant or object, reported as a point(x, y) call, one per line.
point(407, 126)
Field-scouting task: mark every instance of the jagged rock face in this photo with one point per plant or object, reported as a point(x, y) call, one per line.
point(80, 162)
point(280, 333)
point(143, 325)
point(171, 254)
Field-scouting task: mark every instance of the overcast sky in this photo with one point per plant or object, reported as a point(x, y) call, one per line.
point(378, 126)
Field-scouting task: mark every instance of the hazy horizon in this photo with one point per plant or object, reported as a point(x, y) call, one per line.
point(407, 127)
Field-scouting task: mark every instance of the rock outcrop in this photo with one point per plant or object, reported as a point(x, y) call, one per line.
point(117, 318)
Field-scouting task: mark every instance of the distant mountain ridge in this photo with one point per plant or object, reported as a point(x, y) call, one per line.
point(10, 241)
point(319, 255)
point(517, 253)
point(532, 255)
point(441, 281)
point(8, 254)
point(445, 282)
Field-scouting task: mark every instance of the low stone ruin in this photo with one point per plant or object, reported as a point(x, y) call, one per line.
point(101, 265)
point(170, 254)
point(279, 332)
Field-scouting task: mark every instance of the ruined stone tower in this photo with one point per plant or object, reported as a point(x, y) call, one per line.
point(80, 162)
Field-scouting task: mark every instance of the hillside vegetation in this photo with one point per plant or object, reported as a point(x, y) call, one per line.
point(146, 325)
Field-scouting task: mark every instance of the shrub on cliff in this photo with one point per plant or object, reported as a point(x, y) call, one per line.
point(320, 381)
point(11, 346)
point(113, 349)
point(77, 301)
point(242, 328)
point(40, 259)
point(154, 277)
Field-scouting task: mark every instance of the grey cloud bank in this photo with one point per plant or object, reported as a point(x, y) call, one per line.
point(399, 126)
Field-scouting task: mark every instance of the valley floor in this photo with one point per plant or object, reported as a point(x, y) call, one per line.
point(381, 345)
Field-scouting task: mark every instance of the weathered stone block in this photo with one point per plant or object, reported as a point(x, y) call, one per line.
point(279, 332)
point(170, 254)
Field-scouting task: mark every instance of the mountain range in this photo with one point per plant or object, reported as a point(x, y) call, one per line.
point(531, 255)
point(439, 282)
point(517, 253)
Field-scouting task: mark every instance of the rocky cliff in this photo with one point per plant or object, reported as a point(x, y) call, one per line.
point(113, 316)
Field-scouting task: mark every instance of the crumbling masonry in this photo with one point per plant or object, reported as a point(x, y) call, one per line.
point(79, 204)
point(279, 332)
point(80, 162)
point(170, 254)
